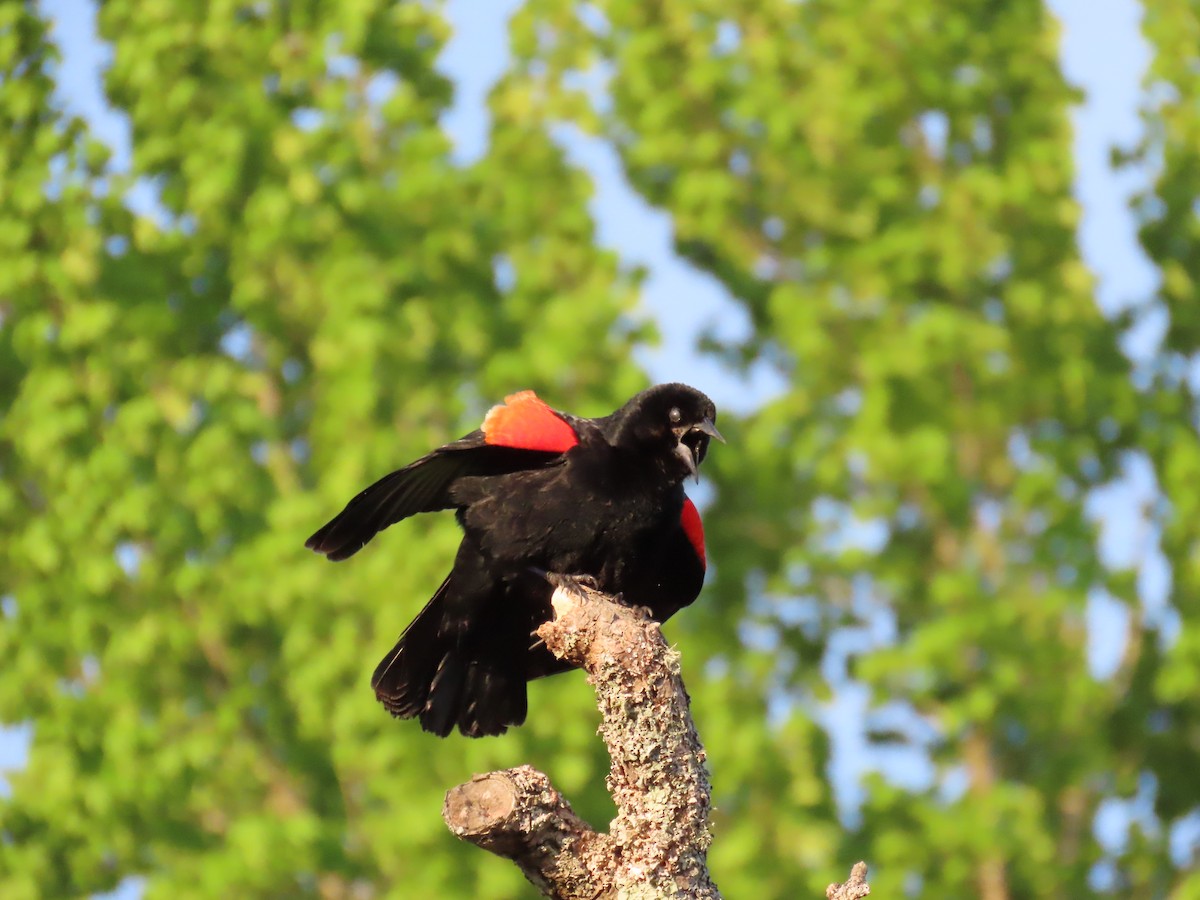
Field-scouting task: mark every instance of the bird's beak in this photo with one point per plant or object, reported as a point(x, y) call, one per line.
point(688, 455)
point(710, 429)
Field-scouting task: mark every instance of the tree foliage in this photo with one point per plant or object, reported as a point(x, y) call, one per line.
point(320, 291)
point(321, 294)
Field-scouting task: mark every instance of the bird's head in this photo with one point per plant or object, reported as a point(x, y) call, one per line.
point(674, 421)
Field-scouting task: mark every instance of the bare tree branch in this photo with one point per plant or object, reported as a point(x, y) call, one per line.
point(657, 844)
point(519, 815)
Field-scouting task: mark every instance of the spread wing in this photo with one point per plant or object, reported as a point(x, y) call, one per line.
point(522, 433)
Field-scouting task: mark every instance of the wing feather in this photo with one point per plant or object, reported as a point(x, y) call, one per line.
point(422, 486)
point(521, 433)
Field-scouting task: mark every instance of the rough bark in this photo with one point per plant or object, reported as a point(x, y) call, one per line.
point(519, 815)
point(853, 888)
point(657, 845)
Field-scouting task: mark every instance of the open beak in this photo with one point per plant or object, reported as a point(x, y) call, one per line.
point(689, 457)
point(690, 454)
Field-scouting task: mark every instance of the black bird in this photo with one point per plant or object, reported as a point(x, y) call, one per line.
point(535, 491)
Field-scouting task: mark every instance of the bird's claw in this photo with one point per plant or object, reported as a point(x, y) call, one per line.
point(641, 610)
point(576, 584)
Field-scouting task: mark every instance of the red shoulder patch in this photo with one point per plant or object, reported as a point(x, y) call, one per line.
point(524, 422)
point(694, 529)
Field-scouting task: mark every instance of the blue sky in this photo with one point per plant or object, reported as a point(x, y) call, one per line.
point(1102, 53)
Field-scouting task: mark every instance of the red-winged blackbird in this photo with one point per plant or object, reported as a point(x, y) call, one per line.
point(535, 491)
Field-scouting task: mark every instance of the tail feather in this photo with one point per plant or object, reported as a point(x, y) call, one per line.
point(447, 678)
point(401, 680)
point(494, 697)
point(444, 696)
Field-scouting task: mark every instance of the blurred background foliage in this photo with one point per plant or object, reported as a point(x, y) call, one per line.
point(320, 290)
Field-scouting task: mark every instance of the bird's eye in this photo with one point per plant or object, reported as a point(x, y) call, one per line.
point(675, 415)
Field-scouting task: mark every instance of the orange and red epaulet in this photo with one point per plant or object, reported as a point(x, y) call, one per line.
point(524, 422)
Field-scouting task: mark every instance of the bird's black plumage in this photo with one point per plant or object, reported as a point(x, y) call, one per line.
point(534, 490)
